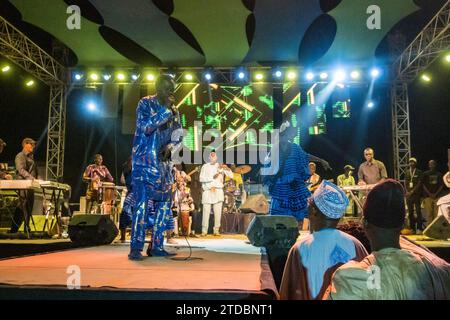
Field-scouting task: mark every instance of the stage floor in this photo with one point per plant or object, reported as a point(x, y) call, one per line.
point(219, 265)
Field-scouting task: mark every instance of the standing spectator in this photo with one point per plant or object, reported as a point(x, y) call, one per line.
point(433, 189)
point(413, 188)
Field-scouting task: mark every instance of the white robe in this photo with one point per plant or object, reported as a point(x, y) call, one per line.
point(207, 174)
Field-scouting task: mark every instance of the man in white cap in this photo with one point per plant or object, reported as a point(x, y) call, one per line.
point(312, 260)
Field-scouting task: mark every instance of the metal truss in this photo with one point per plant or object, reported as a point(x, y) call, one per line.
point(56, 133)
point(423, 50)
point(400, 127)
point(18, 48)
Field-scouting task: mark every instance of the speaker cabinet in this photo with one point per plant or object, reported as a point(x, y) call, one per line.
point(255, 204)
point(439, 228)
point(276, 231)
point(92, 229)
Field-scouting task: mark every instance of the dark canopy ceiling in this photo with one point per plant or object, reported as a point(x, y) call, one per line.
point(220, 33)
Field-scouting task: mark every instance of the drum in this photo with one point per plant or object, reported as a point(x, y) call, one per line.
point(109, 197)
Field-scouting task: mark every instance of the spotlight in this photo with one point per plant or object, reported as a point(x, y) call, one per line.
point(106, 76)
point(374, 72)
point(78, 76)
point(135, 76)
point(208, 76)
point(241, 75)
point(259, 76)
point(150, 77)
point(91, 106)
point(370, 104)
point(354, 74)
point(94, 76)
point(278, 74)
point(291, 75)
point(447, 58)
point(188, 77)
point(6, 68)
point(120, 76)
point(339, 75)
point(29, 83)
point(309, 76)
point(426, 78)
point(323, 75)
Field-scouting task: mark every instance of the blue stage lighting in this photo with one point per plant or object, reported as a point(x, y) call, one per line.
point(278, 74)
point(309, 76)
point(374, 72)
point(91, 106)
point(370, 104)
point(208, 76)
point(241, 75)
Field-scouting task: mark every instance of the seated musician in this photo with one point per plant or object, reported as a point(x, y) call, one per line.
point(95, 174)
point(26, 170)
point(236, 181)
point(314, 180)
point(3, 173)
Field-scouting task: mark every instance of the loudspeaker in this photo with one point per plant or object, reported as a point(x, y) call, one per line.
point(274, 231)
point(92, 229)
point(439, 228)
point(255, 204)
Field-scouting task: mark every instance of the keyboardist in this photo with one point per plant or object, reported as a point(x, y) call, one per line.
point(3, 173)
point(371, 171)
point(26, 170)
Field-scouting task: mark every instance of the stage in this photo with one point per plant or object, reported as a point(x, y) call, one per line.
point(221, 268)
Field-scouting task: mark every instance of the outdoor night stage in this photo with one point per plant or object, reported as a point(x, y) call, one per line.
point(229, 269)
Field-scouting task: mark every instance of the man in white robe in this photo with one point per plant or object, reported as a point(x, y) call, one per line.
point(313, 259)
point(211, 178)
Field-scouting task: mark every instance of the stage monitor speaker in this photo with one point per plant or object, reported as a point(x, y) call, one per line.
point(275, 231)
point(439, 228)
point(255, 204)
point(92, 229)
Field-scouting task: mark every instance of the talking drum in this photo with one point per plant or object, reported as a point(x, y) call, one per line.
point(109, 197)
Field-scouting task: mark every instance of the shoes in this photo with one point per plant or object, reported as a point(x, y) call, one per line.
point(161, 253)
point(193, 235)
point(419, 232)
point(203, 235)
point(135, 255)
point(217, 234)
point(171, 241)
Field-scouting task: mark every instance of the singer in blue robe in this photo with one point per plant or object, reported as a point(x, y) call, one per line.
point(158, 132)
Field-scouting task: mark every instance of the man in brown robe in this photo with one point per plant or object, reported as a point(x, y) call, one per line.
point(312, 260)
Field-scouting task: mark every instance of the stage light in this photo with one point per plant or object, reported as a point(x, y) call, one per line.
point(188, 76)
point(339, 75)
point(91, 106)
point(120, 76)
point(370, 104)
point(135, 76)
point(291, 75)
point(278, 74)
point(208, 76)
point(29, 83)
point(375, 72)
point(355, 74)
point(426, 78)
point(94, 76)
point(447, 58)
point(78, 76)
point(150, 77)
point(106, 76)
point(241, 75)
point(6, 68)
point(259, 76)
point(340, 85)
point(309, 76)
point(323, 75)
